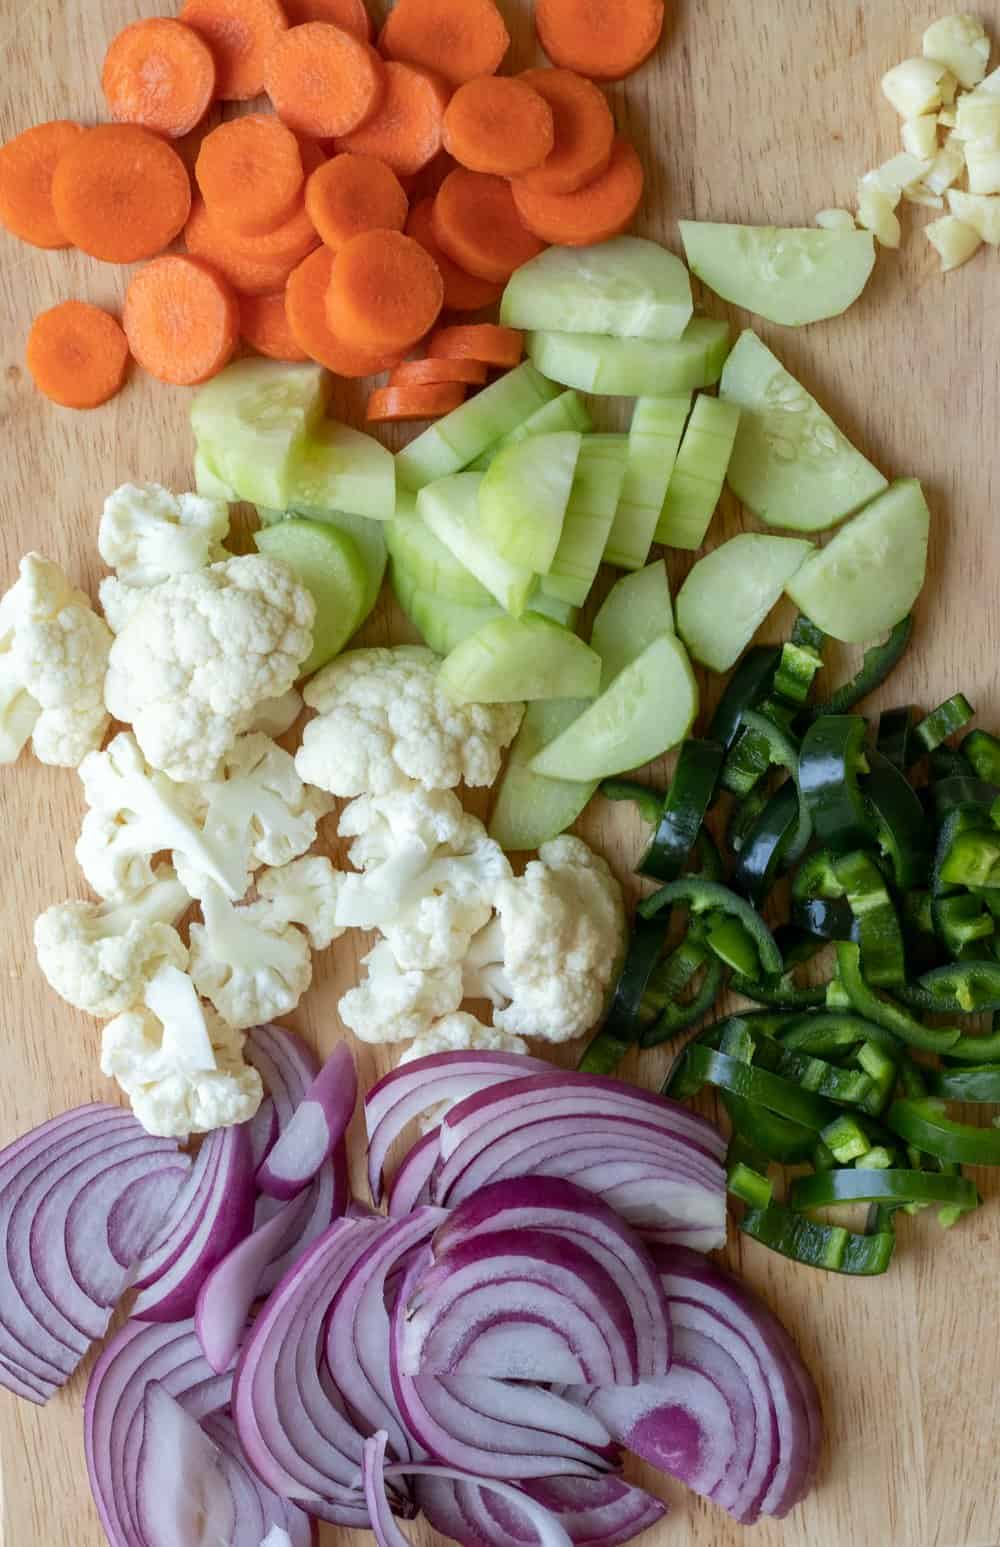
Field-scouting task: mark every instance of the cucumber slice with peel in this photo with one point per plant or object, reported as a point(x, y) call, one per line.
point(251, 421)
point(337, 468)
point(870, 574)
point(653, 443)
point(431, 564)
point(531, 809)
point(568, 411)
point(461, 436)
point(450, 508)
point(699, 473)
point(523, 498)
point(634, 367)
point(792, 276)
point(329, 565)
point(791, 465)
point(626, 287)
point(730, 592)
point(444, 623)
point(515, 659)
point(636, 611)
point(368, 535)
point(593, 500)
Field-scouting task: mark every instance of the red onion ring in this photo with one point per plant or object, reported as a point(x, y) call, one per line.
point(595, 1511)
point(316, 1127)
point(411, 1186)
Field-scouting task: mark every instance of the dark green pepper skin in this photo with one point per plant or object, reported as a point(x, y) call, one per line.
point(830, 764)
point(819, 1246)
point(857, 1185)
point(691, 793)
point(879, 661)
point(751, 682)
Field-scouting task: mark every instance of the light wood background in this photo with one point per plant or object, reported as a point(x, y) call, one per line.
point(754, 112)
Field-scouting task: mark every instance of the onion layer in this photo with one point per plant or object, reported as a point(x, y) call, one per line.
point(316, 1127)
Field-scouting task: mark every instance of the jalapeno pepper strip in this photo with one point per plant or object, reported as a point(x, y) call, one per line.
point(848, 1087)
point(758, 1085)
point(825, 1035)
point(884, 1012)
point(751, 682)
point(982, 752)
point(826, 920)
point(878, 662)
point(959, 988)
point(883, 954)
point(780, 991)
point(944, 721)
point(749, 1185)
point(961, 920)
point(683, 1013)
point(649, 801)
point(782, 1141)
point(864, 1185)
point(830, 763)
point(682, 813)
point(978, 1083)
point(960, 789)
point(819, 1246)
point(895, 736)
point(622, 1025)
point(801, 660)
point(898, 821)
point(711, 897)
point(925, 1124)
point(971, 855)
point(769, 842)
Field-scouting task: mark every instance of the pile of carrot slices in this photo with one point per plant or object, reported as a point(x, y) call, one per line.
point(387, 181)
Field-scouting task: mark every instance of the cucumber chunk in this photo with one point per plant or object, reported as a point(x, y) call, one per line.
point(441, 622)
point(791, 465)
point(337, 468)
point(627, 287)
point(869, 575)
point(531, 809)
point(514, 659)
point(207, 482)
point(730, 592)
point(634, 367)
point(649, 708)
point(593, 500)
point(653, 443)
point(368, 535)
point(461, 436)
point(636, 611)
point(523, 498)
point(450, 508)
point(568, 411)
point(700, 471)
point(791, 276)
point(250, 422)
point(329, 565)
point(431, 564)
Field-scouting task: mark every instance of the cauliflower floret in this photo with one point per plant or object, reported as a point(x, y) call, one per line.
point(305, 893)
point(394, 1006)
point(148, 534)
point(119, 601)
point(200, 653)
point(275, 716)
point(384, 724)
point(250, 962)
point(53, 655)
point(261, 805)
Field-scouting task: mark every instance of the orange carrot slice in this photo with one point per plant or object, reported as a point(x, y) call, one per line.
point(484, 342)
point(77, 354)
point(161, 74)
point(120, 193)
point(405, 129)
point(385, 292)
point(584, 132)
point(181, 320)
point(27, 165)
point(429, 373)
point(402, 405)
point(426, 183)
point(241, 34)
point(348, 14)
point(322, 80)
point(250, 173)
point(352, 194)
point(264, 326)
point(496, 124)
point(477, 224)
point(249, 274)
point(600, 38)
point(463, 292)
point(305, 303)
point(602, 209)
point(457, 39)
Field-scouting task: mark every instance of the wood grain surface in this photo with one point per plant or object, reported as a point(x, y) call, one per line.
point(750, 112)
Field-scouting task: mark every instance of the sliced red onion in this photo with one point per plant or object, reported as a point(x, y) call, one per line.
point(263, 1130)
point(184, 1498)
point(285, 1063)
point(291, 1526)
point(180, 1222)
point(317, 1126)
point(595, 1511)
point(226, 1296)
point(411, 1186)
point(323, 1201)
point(276, 1537)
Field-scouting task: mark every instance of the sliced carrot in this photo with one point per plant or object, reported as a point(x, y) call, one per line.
point(463, 292)
point(349, 14)
point(264, 326)
point(249, 274)
point(429, 373)
point(402, 405)
point(584, 132)
point(405, 129)
point(250, 173)
point(305, 303)
point(385, 292)
point(477, 224)
point(458, 39)
point(484, 342)
point(600, 38)
point(603, 209)
point(120, 193)
point(425, 183)
point(288, 243)
point(181, 319)
point(77, 354)
point(27, 165)
point(241, 34)
point(161, 74)
point(496, 124)
point(351, 194)
point(322, 80)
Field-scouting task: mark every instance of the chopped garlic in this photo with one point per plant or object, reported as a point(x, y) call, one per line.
point(960, 42)
point(984, 169)
point(946, 168)
point(954, 240)
point(990, 87)
point(980, 211)
point(978, 119)
point(919, 86)
point(947, 118)
point(835, 220)
point(918, 193)
point(896, 174)
point(876, 213)
point(920, 136)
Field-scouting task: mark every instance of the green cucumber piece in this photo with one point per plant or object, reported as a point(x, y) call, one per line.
point(251, 421)
point(368, 535)
point(791, 465)
point(593, 501)
point(792, 276)
point(568, 411)
point(208, 484)
point(870, 574)
point(523, 498)
point(531, 809)
point(633, 367)
point(515, 659)
point(430, 564)
point(337, 468)
point(441, 622)
point(457, 439)
point(450, 508)
point(653, 443)
point(636, 611)
point(648, 708)
point(700, 471)
point(627, 287)
point(329, 565)
point(730, 592)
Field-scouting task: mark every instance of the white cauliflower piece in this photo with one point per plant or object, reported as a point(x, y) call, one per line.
point(148, 534)
point(395, 1006)
point(261, 806)
point(53, 655)
point(249, 962)
point(200, 653)
point(384, 724)
point(454, 1034)
point(275, 716)
point(305, 893)
point(119, 601)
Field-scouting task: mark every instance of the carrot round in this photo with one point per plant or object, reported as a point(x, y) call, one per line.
point(181, 319)
point(349, 14)
point(249, 274)
point(402, 405)
point(457, 39)
point(584, 132)
point(601, 210)
point(27, 165)
point(120, 193)
point(496, 124)
point(241, 34)
point(482, 341)
point(161, 74)
point(430, 373)
point(385, 292)
point(264, 326)
point(322, 80)
point(352, 194)
point(405, 129)
point(287, 244)
point(477, 224)
point(463, 292)
point(250, 173)
point(604, 39)
point(305, 304)
point(77, 354)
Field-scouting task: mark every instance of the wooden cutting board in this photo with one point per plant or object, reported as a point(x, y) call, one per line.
point(763, 112)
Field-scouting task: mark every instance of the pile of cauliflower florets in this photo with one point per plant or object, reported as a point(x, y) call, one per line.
point(195, 805)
